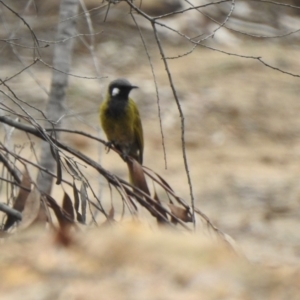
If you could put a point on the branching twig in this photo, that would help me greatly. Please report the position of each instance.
(182, 122)
(239, 31)
(23, 20)
(10, 169)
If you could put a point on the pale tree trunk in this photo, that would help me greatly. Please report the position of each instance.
(61, 61)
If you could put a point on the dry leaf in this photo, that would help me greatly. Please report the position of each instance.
(76, 203)
(20, 201)
(111, 213)
(84, 197)
(43, 215)
(63, 220)
(110, 218)
(68, 206)
(56, 156)
(31, 209)
(72, 169)
(181, 213)
(23, 192)
(160, 219)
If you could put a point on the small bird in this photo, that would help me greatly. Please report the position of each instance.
(120, 120)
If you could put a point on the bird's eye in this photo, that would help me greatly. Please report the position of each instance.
(115, 91)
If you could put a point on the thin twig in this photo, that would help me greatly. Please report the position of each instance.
(183, 146)
(276, 3)
(258, 58)
(69, 74)
(10, 169)
(222, 24)
(156, 90)
(15, 183)
(18, 73)
(189, 8)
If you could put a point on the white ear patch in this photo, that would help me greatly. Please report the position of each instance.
(115, 91)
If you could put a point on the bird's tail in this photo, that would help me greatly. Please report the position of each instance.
(137, 176)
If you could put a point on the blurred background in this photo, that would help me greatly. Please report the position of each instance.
(242, 125)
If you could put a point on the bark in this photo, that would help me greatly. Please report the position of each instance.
(61, 61)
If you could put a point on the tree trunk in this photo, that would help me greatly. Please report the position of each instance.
(61, 61)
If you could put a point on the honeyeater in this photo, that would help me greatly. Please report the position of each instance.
(120, 120)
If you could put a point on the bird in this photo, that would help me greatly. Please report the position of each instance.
(121, 122)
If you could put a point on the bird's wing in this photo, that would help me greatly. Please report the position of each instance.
(138, 133)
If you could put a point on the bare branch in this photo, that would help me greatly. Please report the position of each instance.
(11, 212)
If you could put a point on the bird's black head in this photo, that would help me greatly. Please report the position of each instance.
(120, 88)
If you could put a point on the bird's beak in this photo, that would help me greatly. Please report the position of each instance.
(134, 87)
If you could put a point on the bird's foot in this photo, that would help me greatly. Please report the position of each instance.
(108, 146)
